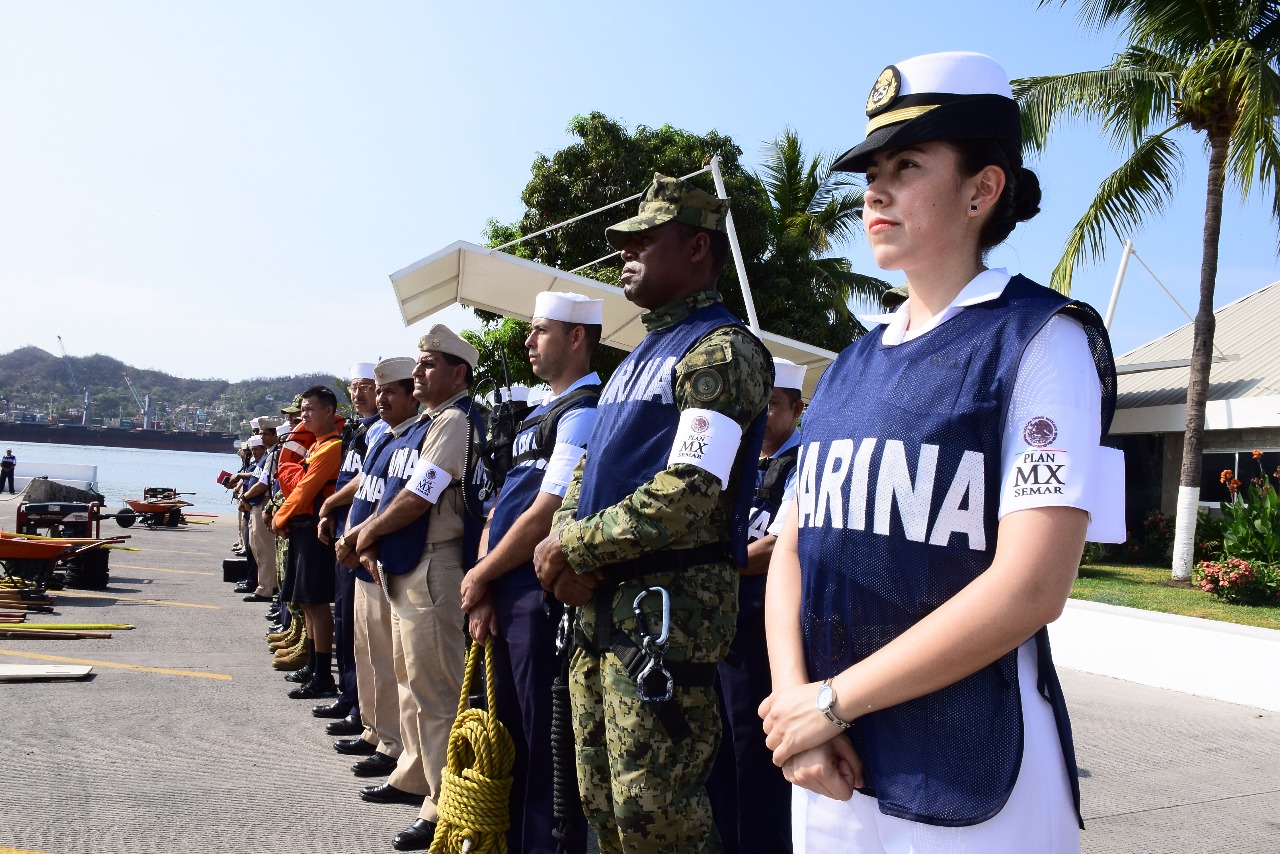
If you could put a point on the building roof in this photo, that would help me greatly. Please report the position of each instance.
(1245, 333)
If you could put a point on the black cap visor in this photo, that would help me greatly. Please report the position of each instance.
(971, 117)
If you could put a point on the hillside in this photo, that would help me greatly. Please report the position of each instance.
(29, 375)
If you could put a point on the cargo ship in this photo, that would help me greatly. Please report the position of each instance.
(116, 437)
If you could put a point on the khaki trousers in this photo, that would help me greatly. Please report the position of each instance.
(263, 544)
(376, 687)
(428, 646)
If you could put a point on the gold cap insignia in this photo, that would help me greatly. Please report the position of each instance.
(435, 343)
(886, 88)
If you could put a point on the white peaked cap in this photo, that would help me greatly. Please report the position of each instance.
(957, 72)
(360, 371)
(535, 396)
(394, 368)
(570, 308)
(516, 392)
(787, 374)
(256, 442)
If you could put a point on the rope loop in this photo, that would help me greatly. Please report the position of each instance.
(476, 782)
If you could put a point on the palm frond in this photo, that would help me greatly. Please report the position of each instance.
(1142, 186)
(1254, 153)
(1128, 100)
(1264, 34)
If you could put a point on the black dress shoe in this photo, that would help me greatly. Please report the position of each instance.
(275, 618)
(377, 765)
(254, 597)
(300, 676)
(314, 690)
(415, 837)
(350, 725)
(354, 747)
(244, 588)
(336, 709)
(389, 794)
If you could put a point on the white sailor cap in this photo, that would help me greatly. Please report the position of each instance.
(253, 424)
(568, 307)
(393, 369)
(360, 371)
(255, 442)
(787, 374)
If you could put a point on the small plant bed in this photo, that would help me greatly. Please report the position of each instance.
(1150, 588)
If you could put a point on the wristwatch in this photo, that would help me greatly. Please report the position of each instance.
(826, 703)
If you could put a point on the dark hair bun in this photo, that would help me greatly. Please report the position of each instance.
(1026, 195)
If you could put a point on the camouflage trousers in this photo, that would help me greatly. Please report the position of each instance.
(641, 791)
(282, 561)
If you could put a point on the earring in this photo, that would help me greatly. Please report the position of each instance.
(973, 208)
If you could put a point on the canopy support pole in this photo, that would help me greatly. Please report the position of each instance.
(1115, 291)
(752, 321)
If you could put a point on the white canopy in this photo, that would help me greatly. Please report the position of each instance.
(504, 284)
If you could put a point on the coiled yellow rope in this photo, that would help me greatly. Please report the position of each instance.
(476, 782)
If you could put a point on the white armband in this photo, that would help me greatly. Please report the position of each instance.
(428, 481)
(708, 440)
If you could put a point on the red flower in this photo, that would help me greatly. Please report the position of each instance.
(1227, 475)
(1257, 455)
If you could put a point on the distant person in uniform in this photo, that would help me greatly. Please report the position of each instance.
(8, 464)
(378, 739)
(360, 386)
(949, 471)
(253, 495)
(501, 593)
(309, 582)
(750, 796)
(661, 501)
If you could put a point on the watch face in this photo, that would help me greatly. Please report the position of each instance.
(824, 697)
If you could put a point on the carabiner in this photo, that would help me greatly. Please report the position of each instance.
(661, 638)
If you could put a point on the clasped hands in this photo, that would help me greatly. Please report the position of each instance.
(558, 578)
(806, 745)
(354, 550)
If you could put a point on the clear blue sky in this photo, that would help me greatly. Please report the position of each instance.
(164, 165)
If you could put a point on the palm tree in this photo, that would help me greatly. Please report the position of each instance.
(812, 211)
(1208, 66)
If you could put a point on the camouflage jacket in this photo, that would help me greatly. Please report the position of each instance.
(682, 506)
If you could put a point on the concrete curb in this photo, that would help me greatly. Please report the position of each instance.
(1238, 664)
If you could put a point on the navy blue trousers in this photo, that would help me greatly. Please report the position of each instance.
(251, 576)
(750, 798)
(525, 662)
(344, 635)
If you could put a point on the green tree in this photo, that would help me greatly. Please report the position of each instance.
(812, 211)
(1205, 66)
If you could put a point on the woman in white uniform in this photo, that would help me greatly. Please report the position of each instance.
(948, 473)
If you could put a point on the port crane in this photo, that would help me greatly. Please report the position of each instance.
(66, 360)
(144, 408)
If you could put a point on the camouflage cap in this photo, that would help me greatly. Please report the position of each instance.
(667, 199)
(293, 408)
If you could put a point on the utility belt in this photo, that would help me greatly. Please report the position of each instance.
(644, 662)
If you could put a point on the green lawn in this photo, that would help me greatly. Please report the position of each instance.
(1149, 588)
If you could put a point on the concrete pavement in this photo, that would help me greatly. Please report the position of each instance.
(215, 758)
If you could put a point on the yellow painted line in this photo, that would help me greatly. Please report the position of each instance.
(158, 569)
(5, 850)
(131, 599)
(140, 668)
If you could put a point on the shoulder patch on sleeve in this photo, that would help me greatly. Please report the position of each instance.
(706, 384)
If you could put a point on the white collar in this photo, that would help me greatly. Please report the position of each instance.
(984, 287)
(590, 379)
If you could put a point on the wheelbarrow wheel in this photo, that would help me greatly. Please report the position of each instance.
(125, 517)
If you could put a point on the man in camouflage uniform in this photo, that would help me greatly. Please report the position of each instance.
(661, 500)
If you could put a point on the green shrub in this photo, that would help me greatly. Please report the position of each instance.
(1240, 582)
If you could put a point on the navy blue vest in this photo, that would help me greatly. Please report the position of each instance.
(523, 481)
(897, 498)
(637, 420)
(373, 481)
(400, 550)
(354, 448)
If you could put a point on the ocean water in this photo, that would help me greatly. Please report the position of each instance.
(125, 472)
